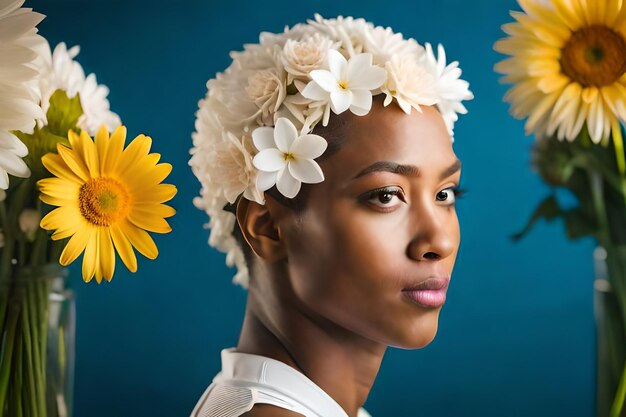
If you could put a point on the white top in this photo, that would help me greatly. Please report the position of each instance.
(247, 379)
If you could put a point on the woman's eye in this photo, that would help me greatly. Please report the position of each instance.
(384, 197)
(449, 195)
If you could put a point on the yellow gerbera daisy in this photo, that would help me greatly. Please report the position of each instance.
(108, 198)
(568, 64)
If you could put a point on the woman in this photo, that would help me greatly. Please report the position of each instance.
(346, 232)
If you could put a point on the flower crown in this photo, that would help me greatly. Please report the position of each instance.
(253, 128)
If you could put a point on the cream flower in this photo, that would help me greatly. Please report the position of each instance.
(29, 223)
(19, 92)
(61, 71)
(409, 83)
(234, 169)
(450, 88)
(348, 84)
(300, 57)
(267, 89)
(286, 159)
(237, 110)
(347, 30)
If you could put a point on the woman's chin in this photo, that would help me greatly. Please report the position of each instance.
(420, 335)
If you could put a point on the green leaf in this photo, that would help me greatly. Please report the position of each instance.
(578, 223)
(63, 113)
(548, 209)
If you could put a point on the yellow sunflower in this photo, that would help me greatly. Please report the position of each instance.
(568, 66)
(108, 197)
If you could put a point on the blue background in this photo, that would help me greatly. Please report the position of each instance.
(516, 336)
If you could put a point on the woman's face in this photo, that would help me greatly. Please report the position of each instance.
(356, 248)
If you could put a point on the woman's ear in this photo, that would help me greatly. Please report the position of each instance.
(259, 228)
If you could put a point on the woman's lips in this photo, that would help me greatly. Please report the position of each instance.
(429, 293)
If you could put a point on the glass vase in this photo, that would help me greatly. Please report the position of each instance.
(610, 274)
(38, 335)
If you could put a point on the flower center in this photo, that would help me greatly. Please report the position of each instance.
(103, 201)
(289, 157)
(594, 56)
(343, 85)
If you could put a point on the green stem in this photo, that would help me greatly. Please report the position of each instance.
(597, 193)
(35, 326)
(618, 404)
(5, 277)
(19, 377)
(7, 354)
(29, 363)
(618, 143)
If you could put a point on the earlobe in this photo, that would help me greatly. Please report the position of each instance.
(259, 228)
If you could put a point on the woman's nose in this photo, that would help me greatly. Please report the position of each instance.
(435, 233)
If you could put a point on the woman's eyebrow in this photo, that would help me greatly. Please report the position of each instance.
(408, 170)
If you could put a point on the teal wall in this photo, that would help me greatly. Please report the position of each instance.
(516, 336)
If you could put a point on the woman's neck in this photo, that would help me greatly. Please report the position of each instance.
(339, 361)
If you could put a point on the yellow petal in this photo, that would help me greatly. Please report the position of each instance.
(149, 222)
(75, 142)
(53, 201)
(64, 217)
(124, 248)
(140, 239)
(90, 259)
(107, 255)
(158, 194)
(141, 167)
(76, 245)
(161, 210)
(590, 95)
(566, 11)
(114, 153)
(90, 154)
(74, 162)
(148, 177)
(139, 147)
(61, 189)
(57, 167)
(102, 142)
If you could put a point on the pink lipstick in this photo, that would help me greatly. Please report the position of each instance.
(429, 293)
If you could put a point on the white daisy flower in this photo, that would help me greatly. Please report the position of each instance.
(285, 158)
(449, 85)
(19, 92)
(61, 71)
(348, 84)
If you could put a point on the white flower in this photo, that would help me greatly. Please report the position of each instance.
(409, 83)
(300, 57)
(96, 112)
(348, 84)
(450, 87)
(383, 44)
(286, 159)
(61, 71)
(19, 91)
(29, 222)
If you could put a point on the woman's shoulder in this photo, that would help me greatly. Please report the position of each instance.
(268, 410)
